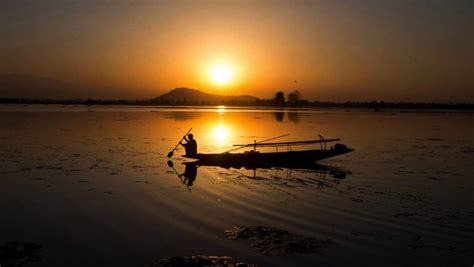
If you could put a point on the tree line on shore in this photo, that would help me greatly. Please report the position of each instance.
(293, 100)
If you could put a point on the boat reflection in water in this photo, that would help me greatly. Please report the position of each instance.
(304, 173)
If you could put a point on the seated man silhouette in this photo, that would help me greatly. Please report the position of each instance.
(190, 146)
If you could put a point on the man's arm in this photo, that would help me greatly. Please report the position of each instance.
(185, 139)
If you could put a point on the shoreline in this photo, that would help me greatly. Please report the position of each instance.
(301, 105)
(228, 108)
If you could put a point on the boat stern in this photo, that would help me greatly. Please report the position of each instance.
(342, 149)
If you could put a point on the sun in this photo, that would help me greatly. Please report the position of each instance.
(220, 133)
(222, 73)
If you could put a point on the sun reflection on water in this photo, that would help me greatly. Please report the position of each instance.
(220, 109)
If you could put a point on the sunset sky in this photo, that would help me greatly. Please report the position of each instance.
(334, 50)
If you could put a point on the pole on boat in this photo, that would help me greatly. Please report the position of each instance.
(321, 138)
(255, 143)
(170, 154)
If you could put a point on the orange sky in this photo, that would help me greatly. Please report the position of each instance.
(336, 50)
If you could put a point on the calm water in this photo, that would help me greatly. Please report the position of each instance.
(91, 185)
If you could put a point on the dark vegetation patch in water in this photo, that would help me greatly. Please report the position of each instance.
(16, 253)
(271, 241)
(200, 261)
(405, 214)
(37, 178)
(435, 139)
(468, 150)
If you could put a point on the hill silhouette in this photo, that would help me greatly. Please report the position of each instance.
(185, 95)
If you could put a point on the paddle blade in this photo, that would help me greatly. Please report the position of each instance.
(170, 164)
(170, 154)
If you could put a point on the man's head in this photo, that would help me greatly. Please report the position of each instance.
(190, 136)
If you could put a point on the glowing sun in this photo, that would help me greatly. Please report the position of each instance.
(221, 74)
(220, 133)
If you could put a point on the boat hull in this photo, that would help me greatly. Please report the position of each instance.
(270, 158)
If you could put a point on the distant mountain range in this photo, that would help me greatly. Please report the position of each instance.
(185, 95)
(27, 89)
(17, 86)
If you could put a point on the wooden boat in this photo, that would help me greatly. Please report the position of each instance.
(312, 167)
(257, 158)
(302, 165)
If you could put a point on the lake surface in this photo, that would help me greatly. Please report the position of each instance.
(92, 186)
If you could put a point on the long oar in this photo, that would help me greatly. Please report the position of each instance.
(170, 154)
(247, 145)
(171, 165)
